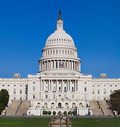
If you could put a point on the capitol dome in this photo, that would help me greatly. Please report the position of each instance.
(59, 52)
(59, 37)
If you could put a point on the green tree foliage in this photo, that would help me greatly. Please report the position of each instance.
(2, 107)
(4, 98)
(115, 101)
(75, 112)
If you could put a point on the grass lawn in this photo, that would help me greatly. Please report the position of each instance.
(42, 122)
(96, 122)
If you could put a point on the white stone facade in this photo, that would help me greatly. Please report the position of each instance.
(59, 85)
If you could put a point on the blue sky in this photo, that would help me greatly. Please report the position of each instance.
(93, 24)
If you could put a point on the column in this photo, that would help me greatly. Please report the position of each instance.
(40, 69)
(57, 64)
(76, 85)
(79, 66)
(62, 86)
(75, 68)
(71, 65)
(45, 65)
(48, 65)
(57, 85)
(67, 85)
(42, 66)
(50, 86)
(42, 85)
(51, 64)
(65, 64)
(54, 64)
(70, 86)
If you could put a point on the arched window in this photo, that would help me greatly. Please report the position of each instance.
(56, 52)
(62, 51)
(33, 96)
(68, 52)
(52, 105)
(66, 105)
(65, 52)
(59, 105)
(73, 105)
(45, 105)
(38, 104)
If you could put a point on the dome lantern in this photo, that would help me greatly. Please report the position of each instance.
(59, 21)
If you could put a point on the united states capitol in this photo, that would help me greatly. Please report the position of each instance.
(59, 85)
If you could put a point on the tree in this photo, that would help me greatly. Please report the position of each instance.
(75, 112)
(4, 98)
(115, 101)
(2, 107)
(54, 113)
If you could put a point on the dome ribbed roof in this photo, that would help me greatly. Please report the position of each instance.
(59, 37)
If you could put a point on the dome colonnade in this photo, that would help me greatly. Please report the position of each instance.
(60, 51)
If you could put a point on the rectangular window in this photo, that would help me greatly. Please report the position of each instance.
(73, 89)
(65, 89)
(98, 91)
(20, 91)
(46, 96)
(60, 90)
(33, 96)
(33, 88)
(14, 91)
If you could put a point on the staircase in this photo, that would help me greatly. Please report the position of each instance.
(17, 108)
(22, 110)
(105, 108)
(96, 109)
(12, 108)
